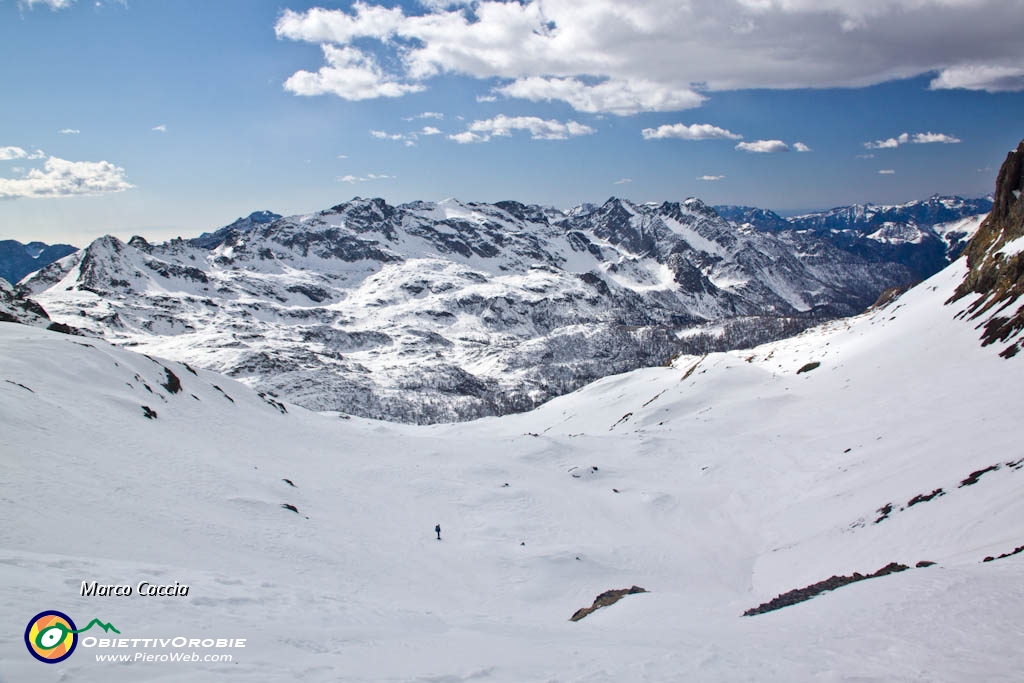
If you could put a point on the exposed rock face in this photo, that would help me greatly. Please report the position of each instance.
(995, 258)
(429, 312)
(606, 599)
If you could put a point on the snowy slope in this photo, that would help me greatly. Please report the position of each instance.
(429, 312)
(716, 484)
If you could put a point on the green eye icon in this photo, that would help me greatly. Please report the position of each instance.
(52, 636)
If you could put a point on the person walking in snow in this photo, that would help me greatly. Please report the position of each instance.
(437, 528)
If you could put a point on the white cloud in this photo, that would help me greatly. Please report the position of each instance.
(695, 131)
(366, 178)
(52, 4)
(63, 178)
(69, 131)
(865, 156)
(987, 77)
(349, 74)
(711, 177)
(343, 156)
(916, 138)
(656, 55)
(763, 146)
(503, 126)
(466, 137)
(886, 171)
(612, 96)
(8, 153)
(622, 181)
(927, 138)
(486, 98)
(430, 130)
(801, 147)
(162, 128)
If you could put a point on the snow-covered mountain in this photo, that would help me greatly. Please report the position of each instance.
(18, 260)
(923, 235)
(431, 312)
(716, 483)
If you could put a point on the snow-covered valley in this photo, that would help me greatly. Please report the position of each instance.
(715, 484)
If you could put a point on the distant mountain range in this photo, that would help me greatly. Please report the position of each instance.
(18, 260)
(429, 312)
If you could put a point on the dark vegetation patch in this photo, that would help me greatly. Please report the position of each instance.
(18, 384)
(270, 401)
(172, 383)
(1018, 549)
(189, 368)
(808, 367)
(799, 595)
(605, 599)
(149, 413)
(223, 392)
(975, 476)
(922, 498)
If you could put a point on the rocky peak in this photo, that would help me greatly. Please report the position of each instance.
(995, 258)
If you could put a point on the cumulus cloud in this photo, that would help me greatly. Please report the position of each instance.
(430, 130)
(801, 147)
(622, 181)
(486, 98)
(763, 146)
(69, 131)
(886, 171)
(711, 177)
(63, 178)
(162, 128)
(695, 131)
(928, 138)
(987, 77)
(9, 153)
(612, 96)
(606, 56)
(349, 74)
(503, 126)
(916, 138)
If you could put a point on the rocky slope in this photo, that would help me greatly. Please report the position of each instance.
(996, 260)
(430, 312)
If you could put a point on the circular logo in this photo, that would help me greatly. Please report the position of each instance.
(50, 636)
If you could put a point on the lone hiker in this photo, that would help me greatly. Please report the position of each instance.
(437, 528)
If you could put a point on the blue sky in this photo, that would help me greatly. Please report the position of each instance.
(172, 118)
